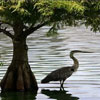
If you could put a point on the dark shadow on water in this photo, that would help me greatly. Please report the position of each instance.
(18, 96)
(59, 95)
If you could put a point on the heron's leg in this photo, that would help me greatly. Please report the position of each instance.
(61, 86)
(62, 83)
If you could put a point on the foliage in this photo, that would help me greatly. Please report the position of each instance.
(28, 12)
(92, 14)
(47, 7)
(18, 10)
(57, 13)
(1, 64)
(61, 12)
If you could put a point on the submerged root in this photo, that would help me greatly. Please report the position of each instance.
(19, 78)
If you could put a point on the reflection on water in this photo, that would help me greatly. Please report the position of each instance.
(59, 95)
(18, 96)
(52, 94)
(49, 53)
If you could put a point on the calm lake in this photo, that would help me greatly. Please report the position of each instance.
(49, 53)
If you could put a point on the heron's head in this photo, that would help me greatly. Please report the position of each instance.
(78, 51)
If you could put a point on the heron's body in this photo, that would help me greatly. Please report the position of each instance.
(59, 74)
(63, 73)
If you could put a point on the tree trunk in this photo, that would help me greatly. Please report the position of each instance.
(19, 76)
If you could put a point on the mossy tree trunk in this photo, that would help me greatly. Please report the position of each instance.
(19, 76)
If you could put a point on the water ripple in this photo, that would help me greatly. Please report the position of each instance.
(49, 53)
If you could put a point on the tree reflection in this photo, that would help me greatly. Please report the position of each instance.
(18, 96)
(59, 95)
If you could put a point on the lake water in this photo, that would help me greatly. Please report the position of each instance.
(49, 53)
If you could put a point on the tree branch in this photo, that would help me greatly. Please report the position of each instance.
(4, 22)
(32, 29)
(6, 33)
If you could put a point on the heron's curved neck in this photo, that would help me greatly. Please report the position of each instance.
(76, 63)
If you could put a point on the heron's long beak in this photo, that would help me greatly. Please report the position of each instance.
(79, 51)
(85, 51)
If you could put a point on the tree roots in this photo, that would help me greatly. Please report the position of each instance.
(19, 78)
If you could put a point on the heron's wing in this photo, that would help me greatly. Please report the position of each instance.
(65, 72)
(60, 74)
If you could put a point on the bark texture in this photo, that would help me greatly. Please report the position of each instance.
(19, 76)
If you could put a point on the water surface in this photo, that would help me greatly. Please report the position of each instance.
(49, 53)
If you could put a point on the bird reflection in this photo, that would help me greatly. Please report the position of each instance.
(59, 95)
(18, 96)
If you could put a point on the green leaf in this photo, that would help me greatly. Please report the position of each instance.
(1, 64)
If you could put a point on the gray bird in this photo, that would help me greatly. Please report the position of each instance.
(63, 73)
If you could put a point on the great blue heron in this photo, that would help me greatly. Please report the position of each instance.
(63, 73)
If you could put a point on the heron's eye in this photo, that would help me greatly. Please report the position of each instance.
(72, 70)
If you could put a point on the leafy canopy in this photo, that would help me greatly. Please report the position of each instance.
(37, 9)
(56, 13)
